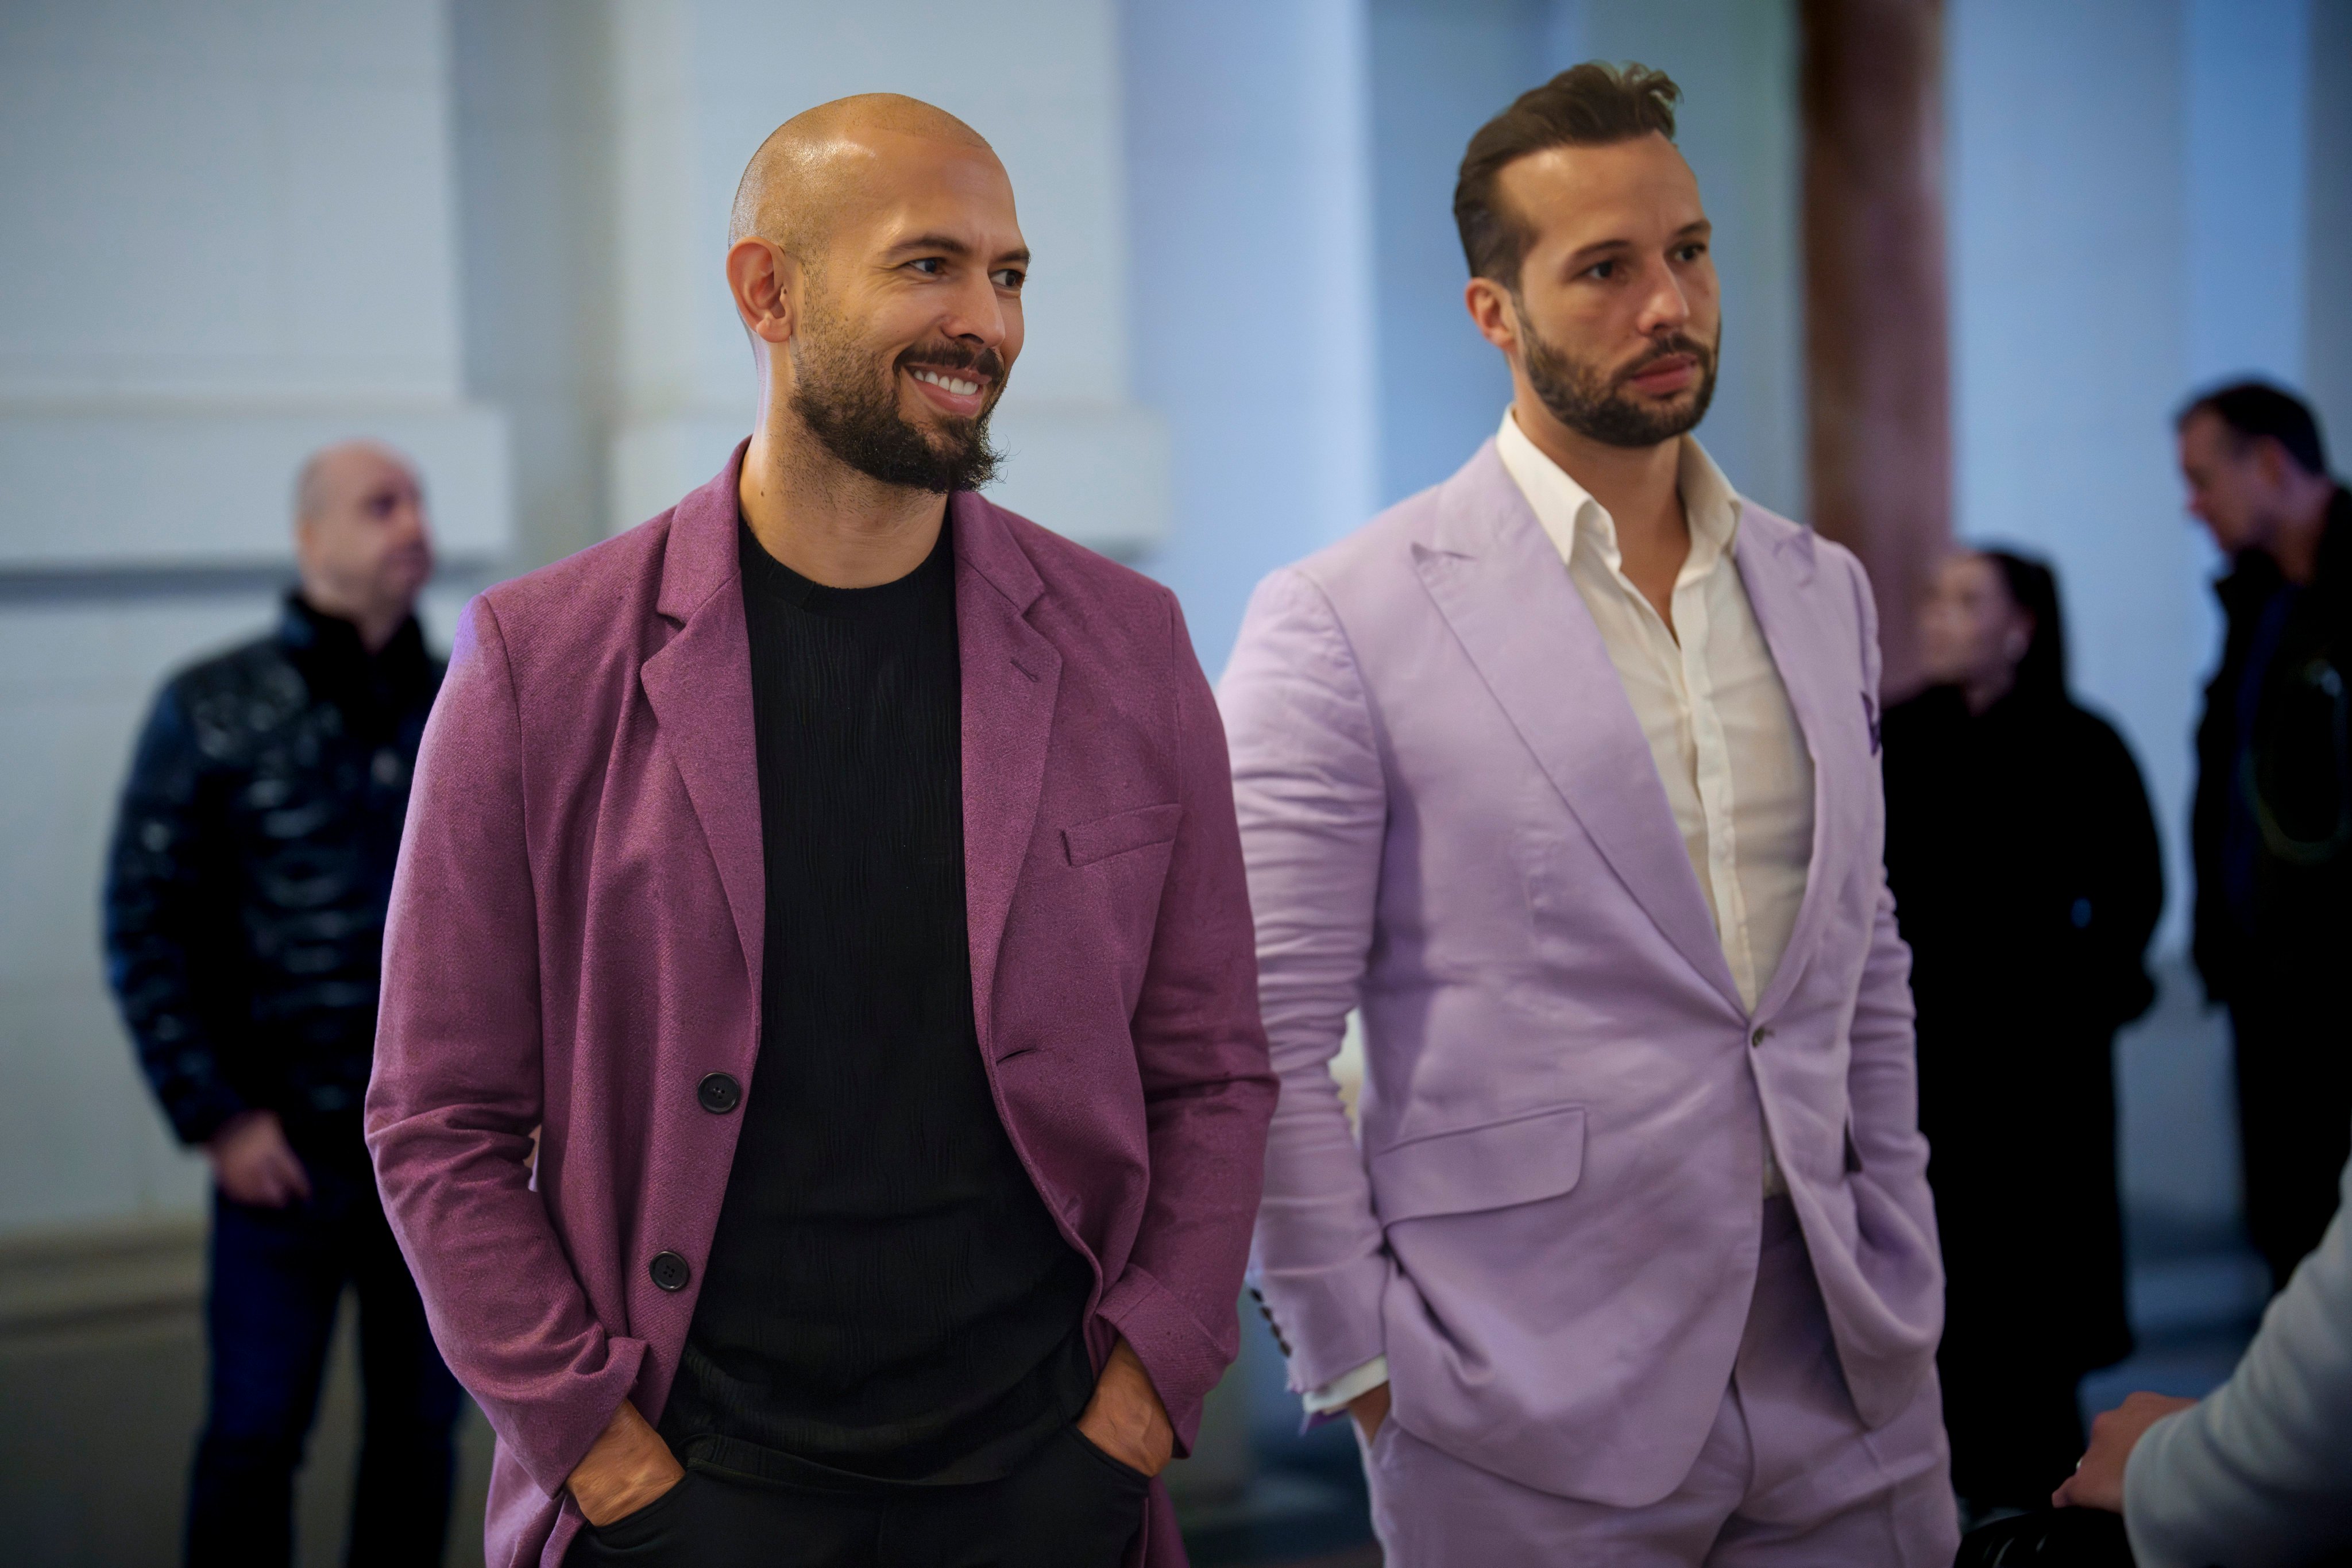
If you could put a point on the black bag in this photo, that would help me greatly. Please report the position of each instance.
(2050, 1538)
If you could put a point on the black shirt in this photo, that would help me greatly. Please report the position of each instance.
(887, 1294)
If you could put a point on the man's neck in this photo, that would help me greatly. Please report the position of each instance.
(1639, 487)
(2294, 544)
(827, 520)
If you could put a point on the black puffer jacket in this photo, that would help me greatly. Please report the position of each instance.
(2273, 826)
(251, 866)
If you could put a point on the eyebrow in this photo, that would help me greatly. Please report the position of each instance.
(1702, 227)
(951, 245)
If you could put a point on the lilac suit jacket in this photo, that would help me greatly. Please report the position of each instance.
(576, 941)
(1451, 816)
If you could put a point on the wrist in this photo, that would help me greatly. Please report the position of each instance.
(627, 1467)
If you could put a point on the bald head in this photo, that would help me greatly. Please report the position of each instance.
(361, 539)
(796, 188)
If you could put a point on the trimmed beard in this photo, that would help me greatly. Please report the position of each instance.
(853, 411)
(1591, 403)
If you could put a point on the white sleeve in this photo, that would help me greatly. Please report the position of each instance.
(1347, 1387)
(2261, 1471)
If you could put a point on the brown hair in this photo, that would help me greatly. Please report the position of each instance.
(1590, 105)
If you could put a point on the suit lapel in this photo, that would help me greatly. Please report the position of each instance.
(700, 687)
(1821, 691)
(1499, 584)
(1011, 677)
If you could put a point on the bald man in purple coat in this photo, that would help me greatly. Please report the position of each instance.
(842, 871)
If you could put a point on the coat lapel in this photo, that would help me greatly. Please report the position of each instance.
(1827, 698)
(1011, 677)
(700, 685)
(1499, 584)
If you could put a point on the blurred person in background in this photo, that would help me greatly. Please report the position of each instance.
(244, 905)
(844, 871)
(2027, 880)
(1566, 772)
(2272, 823)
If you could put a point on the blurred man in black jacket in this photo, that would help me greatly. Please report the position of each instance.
(245, 906)
(2273, 814)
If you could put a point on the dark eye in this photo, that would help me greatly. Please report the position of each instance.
(1602, 270)
(929, 266)
(1008, 277)
(1692, 251)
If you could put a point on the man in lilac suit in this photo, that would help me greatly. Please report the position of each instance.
(839, 876)
(1565, 773)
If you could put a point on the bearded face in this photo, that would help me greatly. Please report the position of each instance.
(1600, 403)
(845, 391)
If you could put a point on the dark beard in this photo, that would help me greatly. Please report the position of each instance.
(854, 412)
(1581, 398)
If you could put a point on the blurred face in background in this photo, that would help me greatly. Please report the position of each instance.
(2238, 489)
(1619, 314)
(361, 538)
(1971, 633)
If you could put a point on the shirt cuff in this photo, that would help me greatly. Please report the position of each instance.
(1347, 1387)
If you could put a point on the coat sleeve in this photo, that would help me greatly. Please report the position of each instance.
(165, 905)
(2260, 1469)
(1207, 1092)
(1310, 788)
(1883, 1073)
(457, 1089)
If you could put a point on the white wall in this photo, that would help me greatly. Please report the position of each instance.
(2327, 229)
(2128, 222)
(229, 240)
(1248, 130)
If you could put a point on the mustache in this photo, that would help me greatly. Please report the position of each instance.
(1666, 348)
(981, 362)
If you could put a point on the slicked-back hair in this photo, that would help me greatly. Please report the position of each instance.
(2253, 410)
(1590, 105)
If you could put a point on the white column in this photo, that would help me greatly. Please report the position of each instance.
(700, 83)
(228, 239)
(1249, 137)
(2246, 145)
(2327, 230)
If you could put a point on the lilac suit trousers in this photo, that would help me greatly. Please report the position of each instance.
(1789, 1472)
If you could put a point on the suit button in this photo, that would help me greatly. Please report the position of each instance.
(1758, 1038)
(670, 1271)
(720, 1094)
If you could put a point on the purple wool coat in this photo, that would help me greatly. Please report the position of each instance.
(1552, 1224)
(576, 941)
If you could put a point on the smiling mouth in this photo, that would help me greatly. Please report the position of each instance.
(945, 381)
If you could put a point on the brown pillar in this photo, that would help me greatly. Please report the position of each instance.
(1879, 442)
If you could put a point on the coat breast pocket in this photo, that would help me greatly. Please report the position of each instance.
(1121, 833)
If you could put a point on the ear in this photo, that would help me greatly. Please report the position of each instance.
(2271, 461)
(761, 276)
(1491, 307)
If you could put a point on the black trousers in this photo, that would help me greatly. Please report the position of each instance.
(277, 1276)
(2293, 1059)
(1069, 1505)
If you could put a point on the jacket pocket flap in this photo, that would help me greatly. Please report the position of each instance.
(1120, 832)
(1540, 1155)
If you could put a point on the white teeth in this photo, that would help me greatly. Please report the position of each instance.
(954, 383)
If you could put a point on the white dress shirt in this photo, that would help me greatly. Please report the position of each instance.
(1710, 702)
